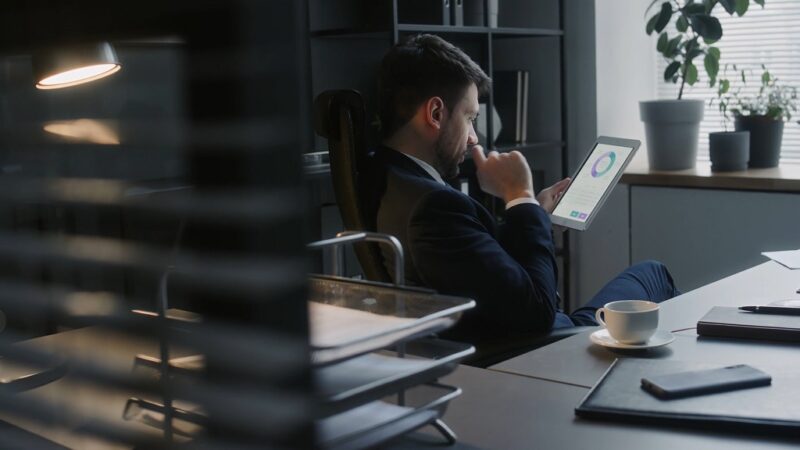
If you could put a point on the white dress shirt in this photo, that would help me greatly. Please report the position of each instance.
(438, 178)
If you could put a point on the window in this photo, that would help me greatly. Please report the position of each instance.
(762, 36)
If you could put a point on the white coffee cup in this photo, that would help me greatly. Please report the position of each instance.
(629, 321)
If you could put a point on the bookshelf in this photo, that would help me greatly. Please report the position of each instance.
(348, 38)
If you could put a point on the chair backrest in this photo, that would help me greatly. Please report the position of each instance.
(339, 118)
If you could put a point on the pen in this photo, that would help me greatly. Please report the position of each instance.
(772, 310)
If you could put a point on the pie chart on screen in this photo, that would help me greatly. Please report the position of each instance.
(603, 164)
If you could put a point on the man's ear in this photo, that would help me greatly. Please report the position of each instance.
(434, 112)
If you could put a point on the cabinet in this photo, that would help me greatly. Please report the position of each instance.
(348, 38)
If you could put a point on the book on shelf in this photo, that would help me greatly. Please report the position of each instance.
(457, 12)
(474, 13)
(427, 12)
(511, 101)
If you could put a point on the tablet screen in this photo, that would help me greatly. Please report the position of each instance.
(599, 172)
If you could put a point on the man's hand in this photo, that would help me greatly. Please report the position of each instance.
(549, 197)
(504, 175)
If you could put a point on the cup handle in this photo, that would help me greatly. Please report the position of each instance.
(598, 318)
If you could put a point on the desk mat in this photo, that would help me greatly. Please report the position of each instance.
(619, 396)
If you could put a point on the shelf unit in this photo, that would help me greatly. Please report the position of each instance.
(348, 38)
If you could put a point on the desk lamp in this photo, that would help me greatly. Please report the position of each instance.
(70, 66)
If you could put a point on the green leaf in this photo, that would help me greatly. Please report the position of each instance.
(694, 53)
(765, 77)
(671, 70)
(662, 42)
(706, 26)
(663, 17)
(760, 2)
(709, 4)
(691, 74)
(729, 5)
(712, 66)
(672, 47)
(724, 86)
(682, 24)
(651, 24)
(741, 7)
(713, 51)
(744, 79)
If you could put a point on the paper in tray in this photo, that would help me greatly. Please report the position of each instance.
(348, 317)
(372, 376)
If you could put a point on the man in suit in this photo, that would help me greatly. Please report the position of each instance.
(428, 102)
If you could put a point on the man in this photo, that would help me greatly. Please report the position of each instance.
(428, 102)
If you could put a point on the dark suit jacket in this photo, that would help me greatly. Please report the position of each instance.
(453, 245)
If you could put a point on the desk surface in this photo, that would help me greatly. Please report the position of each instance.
(577, 361)
(86, 402)
(506, 411)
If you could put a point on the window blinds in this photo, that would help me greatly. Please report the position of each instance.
(162, 274)
(762, 36)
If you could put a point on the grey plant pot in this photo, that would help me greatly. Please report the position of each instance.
(672, 128)
(766, 135)
(729, 150)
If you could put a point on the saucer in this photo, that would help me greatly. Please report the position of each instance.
(659, 339)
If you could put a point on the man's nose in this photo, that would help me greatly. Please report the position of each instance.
(473, 138)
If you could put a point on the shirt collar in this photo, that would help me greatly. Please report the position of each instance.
(427, 168)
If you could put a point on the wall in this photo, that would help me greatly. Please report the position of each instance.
(625, 70)
(715, 234)
(626, 67)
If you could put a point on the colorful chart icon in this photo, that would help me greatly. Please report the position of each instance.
(574, 214)
(603, 164)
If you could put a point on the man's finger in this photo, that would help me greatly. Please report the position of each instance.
(478, 156)
(562, 185)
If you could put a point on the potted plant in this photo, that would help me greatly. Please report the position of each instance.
(729, 150)
(762, 115)
(672, 127)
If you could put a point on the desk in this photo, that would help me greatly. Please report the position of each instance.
(575, 360)
(117, 352)
(508, 412)
(528, 402)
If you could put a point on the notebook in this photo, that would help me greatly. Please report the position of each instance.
(619, 396)
(730, 322)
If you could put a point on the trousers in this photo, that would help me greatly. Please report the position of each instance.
(647, 280)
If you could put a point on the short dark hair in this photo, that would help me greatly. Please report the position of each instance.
(421, 67)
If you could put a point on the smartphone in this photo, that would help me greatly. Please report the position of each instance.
(700, 382)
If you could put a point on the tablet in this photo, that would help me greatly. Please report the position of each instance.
(593, 182)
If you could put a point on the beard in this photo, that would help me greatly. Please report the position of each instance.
(448, 157)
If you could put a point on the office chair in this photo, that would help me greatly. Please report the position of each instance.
(339, 118)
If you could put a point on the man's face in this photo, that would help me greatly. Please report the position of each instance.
(457, 134)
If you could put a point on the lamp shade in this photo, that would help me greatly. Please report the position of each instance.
(69, 66)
